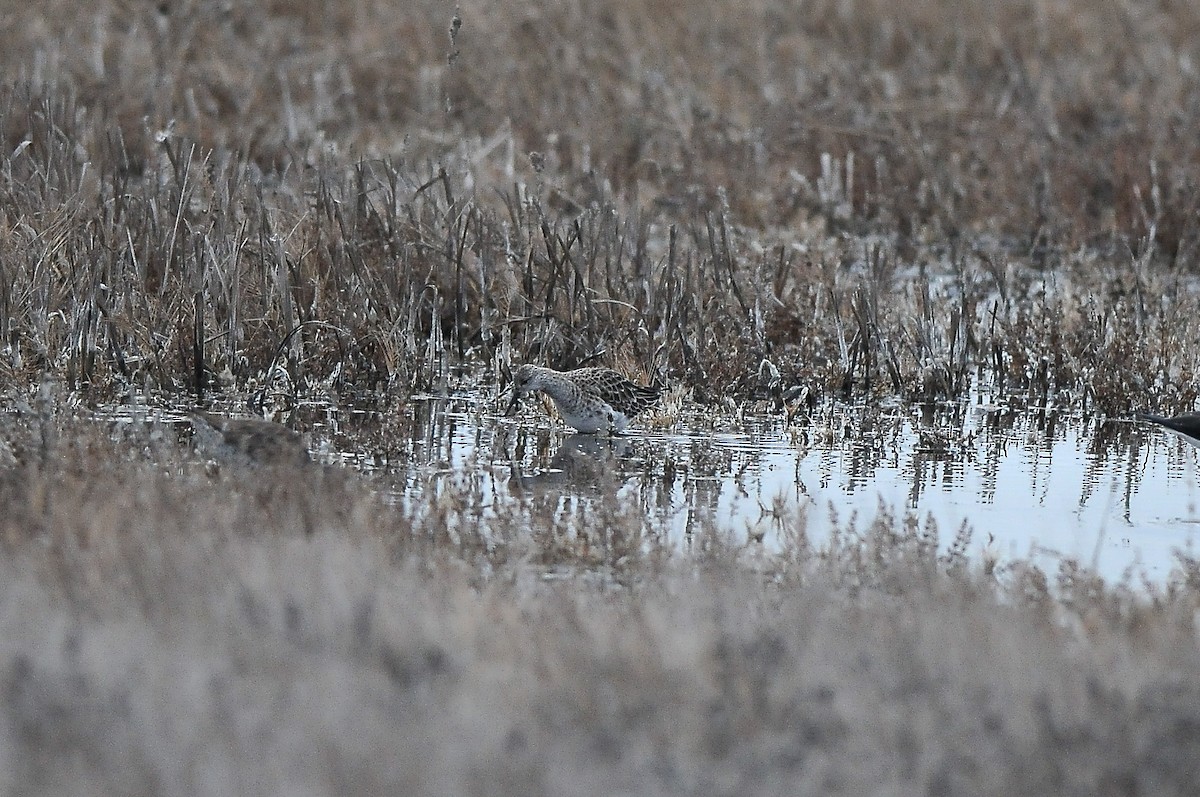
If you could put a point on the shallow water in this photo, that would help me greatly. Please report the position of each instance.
(1115, 496)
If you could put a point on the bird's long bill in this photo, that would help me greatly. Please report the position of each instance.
(512, 404)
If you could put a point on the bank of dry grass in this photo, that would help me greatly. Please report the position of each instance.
(171, 631)
(857, 198)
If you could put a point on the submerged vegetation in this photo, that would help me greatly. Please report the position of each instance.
(342, 205)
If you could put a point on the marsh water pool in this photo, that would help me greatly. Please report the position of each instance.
(1115, 496)
(1118, 497)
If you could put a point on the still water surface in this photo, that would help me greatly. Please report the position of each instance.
(1116, 496)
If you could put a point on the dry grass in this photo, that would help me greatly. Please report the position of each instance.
(861, 198)
(857, 198)
(171, 632)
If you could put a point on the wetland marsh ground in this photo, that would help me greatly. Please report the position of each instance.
(906, 269)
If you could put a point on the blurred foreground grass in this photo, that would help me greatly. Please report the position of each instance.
(169, 630)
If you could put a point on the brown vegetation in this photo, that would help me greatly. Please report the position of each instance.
(837, 198)
(872, 197)
(171, 632)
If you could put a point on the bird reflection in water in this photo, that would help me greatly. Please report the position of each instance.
(582, 461)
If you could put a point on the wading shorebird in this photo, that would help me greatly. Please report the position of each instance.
(589, 399)
(1186, 426)
(249, 442)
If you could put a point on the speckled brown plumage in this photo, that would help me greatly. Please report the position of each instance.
(249, 441)
(589, 399)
